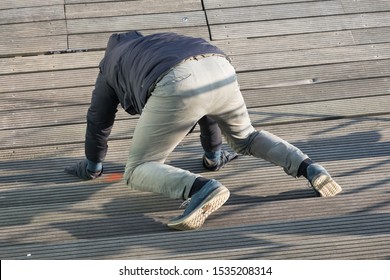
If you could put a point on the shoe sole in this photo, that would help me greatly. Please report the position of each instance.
(326, 186)
(197, 217)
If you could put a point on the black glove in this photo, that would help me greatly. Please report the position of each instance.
(224, 159)
(80, 170)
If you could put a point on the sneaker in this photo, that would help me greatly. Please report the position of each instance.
(223, 160)
(212, 196)
(321, 181)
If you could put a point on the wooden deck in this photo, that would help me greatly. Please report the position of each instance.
(316, 73)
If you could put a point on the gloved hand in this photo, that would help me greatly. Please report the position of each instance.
(223, 160)
(80, 170)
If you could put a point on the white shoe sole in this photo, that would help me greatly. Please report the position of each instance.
(198, 216)
(326, 186)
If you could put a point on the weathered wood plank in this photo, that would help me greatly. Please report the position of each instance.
(48, 80)
(105, 9)
(300, 25)
(99, 40)
(53, 62)
(33, 14)
(315, 92)
(270, 239)
(33, 29)
(320, 111)
(137, 22)
(10, 47)
(216, 4)
(304, 41)
(89, 1)
(336, 247)
(351, 6)
(45, 98)
(274, 12)
(263, 61)
(372, 35)
(10, 4)
(61, 134)
(314, 74)
(287, 43)
(346, 250)
(47, 117)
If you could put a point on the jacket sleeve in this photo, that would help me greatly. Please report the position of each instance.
(100, 119)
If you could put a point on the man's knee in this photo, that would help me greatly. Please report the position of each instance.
(129, 170)
(243, 146)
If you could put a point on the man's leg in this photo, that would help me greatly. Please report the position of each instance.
(179, 100)
(211, 139)
(210, 135)
(160, 128)
(233, 118)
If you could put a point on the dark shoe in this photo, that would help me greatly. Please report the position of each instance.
(80, 170)
(321, 181)
(223, 160)
(212, 196)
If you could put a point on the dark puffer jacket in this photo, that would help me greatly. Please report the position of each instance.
(131, 67)
(133, 63)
